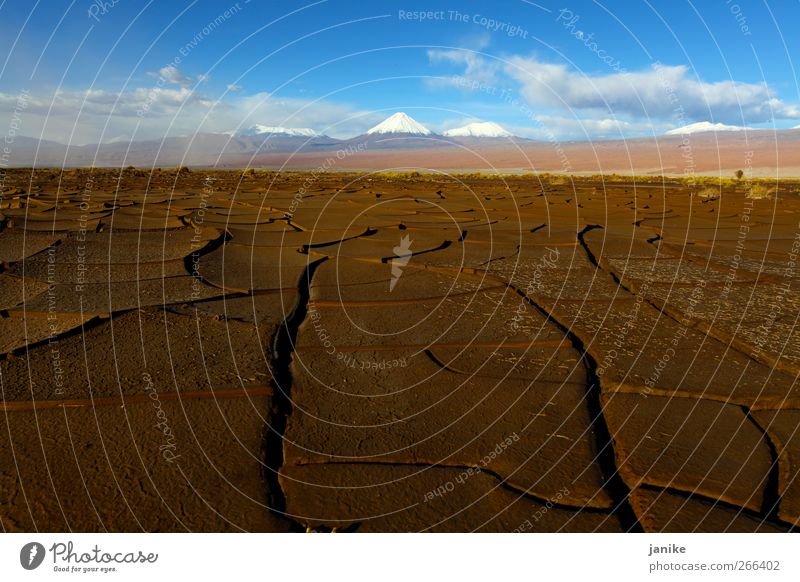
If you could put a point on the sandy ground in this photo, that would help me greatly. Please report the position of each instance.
(218, 351)
(757, 153)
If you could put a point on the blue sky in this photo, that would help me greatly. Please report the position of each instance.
(98, 71)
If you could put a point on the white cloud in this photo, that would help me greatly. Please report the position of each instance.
(334, 119)
(82, 117)
(659, 92)
(98, 102)
(172, 75)
(478, 70)
(574, 128)
(233, 87)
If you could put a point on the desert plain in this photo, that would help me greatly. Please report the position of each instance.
(191, 350)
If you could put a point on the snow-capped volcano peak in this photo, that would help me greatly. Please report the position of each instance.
(479, 129)
(400, 123)
(268, 129)
(703, 126)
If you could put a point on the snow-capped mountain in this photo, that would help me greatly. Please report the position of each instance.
(479, 129)
(703, 126)
(400, 123)
(258, 129)
(124, 138)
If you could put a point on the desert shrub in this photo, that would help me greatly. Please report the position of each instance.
(709, 181)
(559, 180)
(709, 193)
(759, 192)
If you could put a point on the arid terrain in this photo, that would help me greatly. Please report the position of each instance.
(261, 351)
(760, 153)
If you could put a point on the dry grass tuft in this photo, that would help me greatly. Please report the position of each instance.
(759, 192)
(709, 193)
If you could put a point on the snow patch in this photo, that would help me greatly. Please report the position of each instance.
(703, 126)
(400, 123)
(268, 129)
(479, 129)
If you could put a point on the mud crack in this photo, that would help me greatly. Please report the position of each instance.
(283, 346)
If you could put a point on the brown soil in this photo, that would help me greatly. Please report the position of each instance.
(218, 351)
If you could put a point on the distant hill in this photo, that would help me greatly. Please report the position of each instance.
(764, 152)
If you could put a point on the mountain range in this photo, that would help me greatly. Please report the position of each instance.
(402, 142)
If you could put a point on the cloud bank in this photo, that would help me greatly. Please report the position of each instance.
(658, 96)
(175, 104)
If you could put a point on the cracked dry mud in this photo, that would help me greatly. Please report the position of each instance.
(218, 351)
